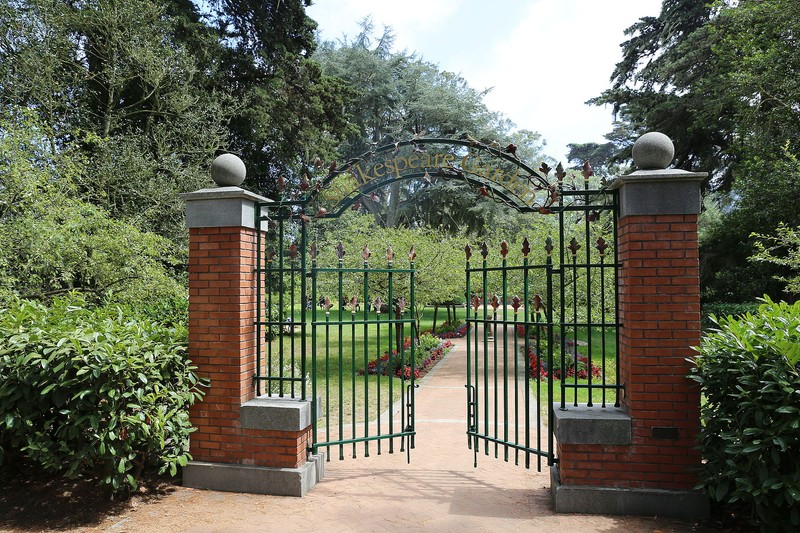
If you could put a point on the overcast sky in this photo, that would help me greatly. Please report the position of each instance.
(542, 58)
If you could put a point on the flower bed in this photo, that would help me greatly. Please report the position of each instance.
(449, 331)
(540, 371)
(424, 360)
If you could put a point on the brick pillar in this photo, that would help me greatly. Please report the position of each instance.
(241, 443)
(641, 458)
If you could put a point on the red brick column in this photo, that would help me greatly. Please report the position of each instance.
(641, 458)
(660, 312)
(241, 443)
(222, 313)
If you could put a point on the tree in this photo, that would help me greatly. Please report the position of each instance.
(721, 80)
(400, 97)
(51, 242)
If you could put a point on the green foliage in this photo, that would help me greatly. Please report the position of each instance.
(724, 309)
(89, 390)
(782, 248)
(52, 242)
(720, 79)
(429, 342)
(749, 371)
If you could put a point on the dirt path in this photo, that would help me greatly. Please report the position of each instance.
(439, 491)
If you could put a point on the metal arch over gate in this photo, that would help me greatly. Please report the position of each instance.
(301, 290)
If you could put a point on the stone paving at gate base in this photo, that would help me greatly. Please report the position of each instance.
(439, 491)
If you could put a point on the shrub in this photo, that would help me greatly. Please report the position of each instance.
(428, 341)
(749, 371)
(89, 390)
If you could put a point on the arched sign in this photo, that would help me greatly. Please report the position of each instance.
(491, 170)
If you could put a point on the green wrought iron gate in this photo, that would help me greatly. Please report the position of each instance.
(336, 333)
(332, 325)
(543, 332)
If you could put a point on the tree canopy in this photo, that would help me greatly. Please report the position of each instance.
(721, 79)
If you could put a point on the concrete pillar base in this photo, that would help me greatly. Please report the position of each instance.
(587, 499)
(255, 479)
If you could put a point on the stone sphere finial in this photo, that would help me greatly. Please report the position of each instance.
(227, 170)
(653, 151)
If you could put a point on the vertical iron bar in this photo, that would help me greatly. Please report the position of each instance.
(379, 371)
(414, 335)
(526, 309)
(504, 302)
(353, 375)
(365, 312)
(485, 353)
(575, 324)
(340, 296)
(282, 274)
(603, 326)
(259, 311)
(304, 310)
(315, 407)
(392, 356)
(468, 299)
(588, 246)
(549, 316)
(292, 303)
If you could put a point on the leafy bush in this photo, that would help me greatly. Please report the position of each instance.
(749, 371)
(89, 390)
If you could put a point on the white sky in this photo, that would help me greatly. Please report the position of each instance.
(543, 58)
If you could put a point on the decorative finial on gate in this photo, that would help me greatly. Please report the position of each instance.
(516, 303)
(548, 246)
(366, 253)
(377, 304)
(537, 303)
(560, 173)
(495, 303)
(574, 246)
(412, 254)
(313, 251)
(468, 251)
(476, 302)
(340, 251)
(526, 248)
(601, 246)
(503, 249)
(390, 254)
(484, 250)
(587, 171)
(293, 252)
(270, 254)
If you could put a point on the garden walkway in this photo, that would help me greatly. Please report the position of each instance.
(439, 491)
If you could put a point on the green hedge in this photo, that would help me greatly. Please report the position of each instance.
(749, 371)
(93, 390)
(725, 309)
